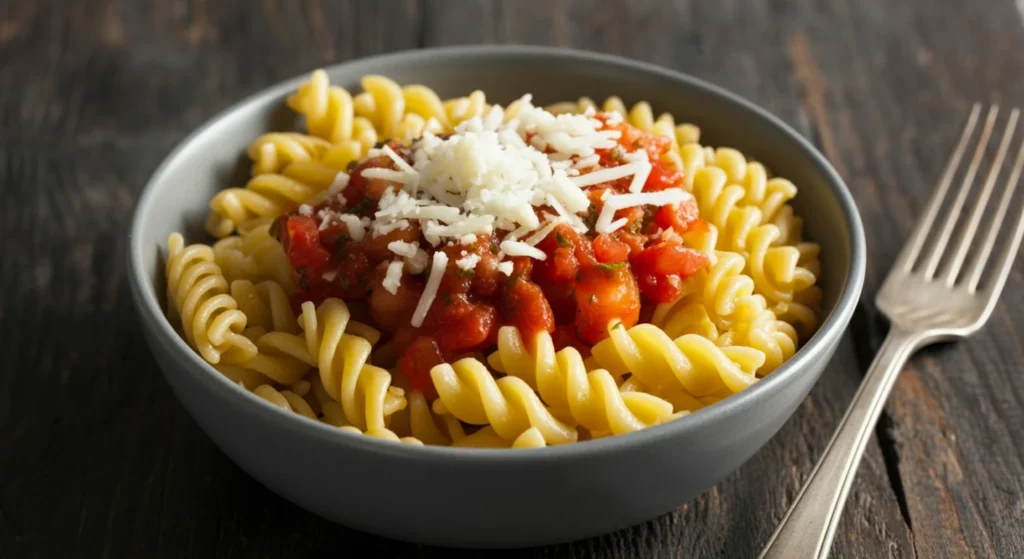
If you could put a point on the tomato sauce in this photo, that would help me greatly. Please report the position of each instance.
(585, 282)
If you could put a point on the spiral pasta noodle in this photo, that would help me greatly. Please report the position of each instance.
(197, 294)
(254, 256)
(264, 196)
(591, 399)
(693, 362)
(467, 390)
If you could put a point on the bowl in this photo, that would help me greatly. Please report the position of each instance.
(495, 498)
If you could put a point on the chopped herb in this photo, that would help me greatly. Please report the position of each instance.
(341, 248)
(351, 165)
(611, 266)
(362, 206)
(465, 273)
(591, 218)
(616, 153)
(617, 326)
(494, 246)
(513, 278)
(561, 240)
(473, 247)
(636, 226)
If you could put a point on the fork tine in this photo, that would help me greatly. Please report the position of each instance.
(981, 203)
(912, 248)
(961, 196)
(1010, 249)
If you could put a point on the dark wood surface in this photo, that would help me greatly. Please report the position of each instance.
(97, 459)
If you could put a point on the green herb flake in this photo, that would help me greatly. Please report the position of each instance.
(465, 273)
(591, 218)
(561, 240)
(494, 247)
(304, 279)
(636, 226)
(362, 206)
(611, 266)
(617, 326)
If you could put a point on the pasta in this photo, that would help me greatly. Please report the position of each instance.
(198, 295)
(436, 271)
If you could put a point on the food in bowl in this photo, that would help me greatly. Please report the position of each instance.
(460, 273)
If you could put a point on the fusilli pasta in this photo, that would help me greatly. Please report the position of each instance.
(737, 318)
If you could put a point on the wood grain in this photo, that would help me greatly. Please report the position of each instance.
(97, 457)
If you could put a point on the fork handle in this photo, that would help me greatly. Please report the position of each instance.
(810, 524)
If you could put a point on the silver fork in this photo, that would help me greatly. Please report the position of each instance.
(927, 298)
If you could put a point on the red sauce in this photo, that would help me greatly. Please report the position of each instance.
(585, 282)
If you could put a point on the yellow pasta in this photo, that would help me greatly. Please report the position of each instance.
(271, 153)
(197, 294)
(467, 390)
(735, 320)
(591, 399)
(690, 361)
(265, 196)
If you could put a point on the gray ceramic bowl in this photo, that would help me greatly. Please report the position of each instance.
(494, 498)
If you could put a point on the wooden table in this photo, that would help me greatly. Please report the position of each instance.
(97, 458)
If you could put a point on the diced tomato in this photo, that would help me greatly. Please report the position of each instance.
(565, 336)
(661, 268)
(354, 272)
(360, 187)
(678, 217)
(459, 324)
(392, 310)
(605, 293)
(662, 177)
(422, 355)
(607, 249)
(301, 241)
(525, 306)
(634, 241)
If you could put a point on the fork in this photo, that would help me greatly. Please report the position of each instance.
(928, 296)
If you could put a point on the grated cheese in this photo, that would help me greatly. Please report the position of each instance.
(430, 291)
(506, 268)
(356, 227)
(605, 225)
(519, 248)
(468, 262)
(404, 249)
(306, 210)
(393, 277)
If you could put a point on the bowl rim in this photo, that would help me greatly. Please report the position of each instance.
(829, 332)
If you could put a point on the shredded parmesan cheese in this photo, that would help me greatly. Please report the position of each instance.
(468, 262)
(393, 277)
(430, 291)
(518, 248)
